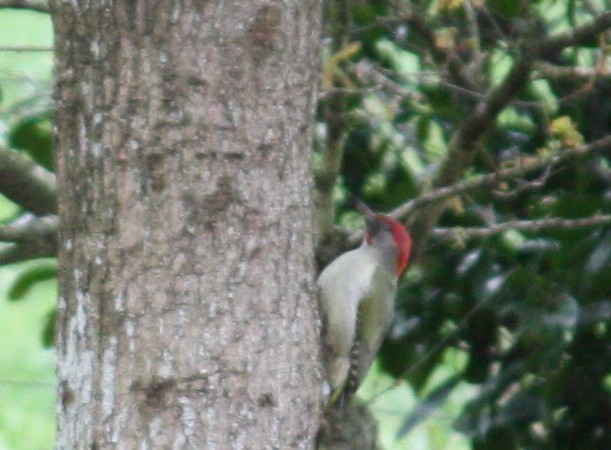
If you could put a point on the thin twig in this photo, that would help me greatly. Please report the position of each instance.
(467, 137)
(27, 383)
(465, 141)
(35, 104)
(370, 73)
(403, 211)
(473, 30)
(8, 48)
(524, 186)
(523, 225)
(492, 178)
(349, 91)
(441, 55)
(31, 5)
(500, 35)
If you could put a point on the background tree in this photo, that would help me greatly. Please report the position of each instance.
(485, 126)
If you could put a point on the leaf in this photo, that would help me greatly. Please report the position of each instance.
(28, 278)
(522, 408)
(564, 315)
(446, 38)
(566, 130)
(428, 405)
(478, 365)
(595, 312)
(332, 72)
(476, 417)
(449, 5)
(33, 134)
(600, 256)
(48, 332)
(513, 240)
(367, 13)
(500, 438)
(504, 8)
(468, 262)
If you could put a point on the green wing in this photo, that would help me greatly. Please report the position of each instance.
(373, 321)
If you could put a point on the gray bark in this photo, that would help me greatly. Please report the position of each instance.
(187, 315)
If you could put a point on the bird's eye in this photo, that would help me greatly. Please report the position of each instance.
(375, 226)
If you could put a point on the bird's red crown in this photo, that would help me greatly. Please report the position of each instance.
(402, 239)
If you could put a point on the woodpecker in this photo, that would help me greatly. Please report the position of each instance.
(357, 296)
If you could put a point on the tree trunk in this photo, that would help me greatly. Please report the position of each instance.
(187, 316)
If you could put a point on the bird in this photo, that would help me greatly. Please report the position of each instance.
(357, 296)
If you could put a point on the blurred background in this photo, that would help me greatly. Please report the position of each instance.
(28, 290)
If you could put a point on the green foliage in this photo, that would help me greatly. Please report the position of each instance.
(48, 332)
(27, 381)
(428, 405)
(22, 287)
(30, 277)
(32, 134)
(531, 309)
(27, 384)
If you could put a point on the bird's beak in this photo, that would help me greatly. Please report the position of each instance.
(368, 215)
(363, 208)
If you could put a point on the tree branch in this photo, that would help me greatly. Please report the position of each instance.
(490, 179)
(32, 238)
(576, 36)
(27, 250)
(440, 54)
(27, 383)
(32, 5)
(464, 142)
(465, 139)
(371, 74)
(26, 183)
(442, 193)
(326, 175)
(33, 230)
(473, 28)
(522, 225)
(25, 49)
(572, 73)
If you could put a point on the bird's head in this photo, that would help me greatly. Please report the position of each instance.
(386, 233)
